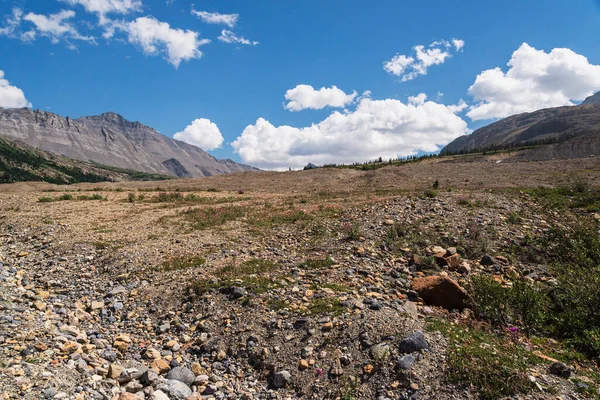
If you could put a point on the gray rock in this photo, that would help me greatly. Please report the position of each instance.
(281, 379)
(182, 374)
(560, 369)
(405, 362)
(237, 293)
(414, 342)
(175, 389)
(49, 393)
(487, 261)
(149, 378)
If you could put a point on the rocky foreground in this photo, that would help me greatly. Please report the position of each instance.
(258, 296)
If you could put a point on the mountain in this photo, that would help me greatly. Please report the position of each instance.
(110, 139)
(565, 132)
(595, 99)
(20, 162)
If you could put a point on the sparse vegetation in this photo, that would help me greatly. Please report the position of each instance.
(182, 262)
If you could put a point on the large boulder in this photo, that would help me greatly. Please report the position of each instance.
(440, 291)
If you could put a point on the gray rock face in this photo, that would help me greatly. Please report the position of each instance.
(110, 139)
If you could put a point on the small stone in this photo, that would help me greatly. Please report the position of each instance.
(114, 371)
(152, 354)
(39, 305)
(197, 369)
(175, 389)
(281, 379)
(182, 374)
(405, 362)
(97, 305)
(159, 395)
(327, 326)
(487, 261)
(560, 369)
(237, 293)
(302, 365)
(414, 342)
(160, 366)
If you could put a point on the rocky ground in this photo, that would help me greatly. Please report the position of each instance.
(255, 294)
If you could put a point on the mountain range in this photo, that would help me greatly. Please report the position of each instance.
(560, 132)
(109, 139)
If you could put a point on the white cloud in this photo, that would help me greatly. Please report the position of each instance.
(376, 128)
(458, 44)
(534, 80)
(216, 18)
(155, 37)
(104, 7)
(228, 36)
(11, 96)
(56, 26)
(305, 96)
(410, 67)
(202, 133)
(12, 22)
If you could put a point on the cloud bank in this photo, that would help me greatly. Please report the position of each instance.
(534, 80)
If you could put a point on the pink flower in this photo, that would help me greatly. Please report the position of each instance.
(513, 329)
(319, 371)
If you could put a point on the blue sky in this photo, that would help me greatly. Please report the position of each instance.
(118, 60)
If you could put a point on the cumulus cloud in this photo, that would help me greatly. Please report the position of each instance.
(216, 18)
(104, 7)
(534, 80)
(11, 96)
(376, 128)
(305, 96)
(410, 67)
(228, 36)
(202, 133)
(155, 37)
(56, 26)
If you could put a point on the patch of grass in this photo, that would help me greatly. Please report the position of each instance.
(182, 262)
(333, 286)
(324, 305)
(94, 196)
(495, 366)
(204, 218)
(514, 218)
(322, 263)
(351, 231)
(45, 199)
(430, 193)
(246, 274)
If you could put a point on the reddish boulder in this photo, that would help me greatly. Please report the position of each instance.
(440, 291)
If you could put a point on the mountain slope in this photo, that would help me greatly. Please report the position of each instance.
(20, 162)
(568, 129)
(110, 139)
(595, 99)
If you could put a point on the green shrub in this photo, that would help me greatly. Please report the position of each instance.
(45, 199)
(489, 299)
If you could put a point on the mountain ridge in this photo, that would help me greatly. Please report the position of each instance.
(567, 129)
(110, 139)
